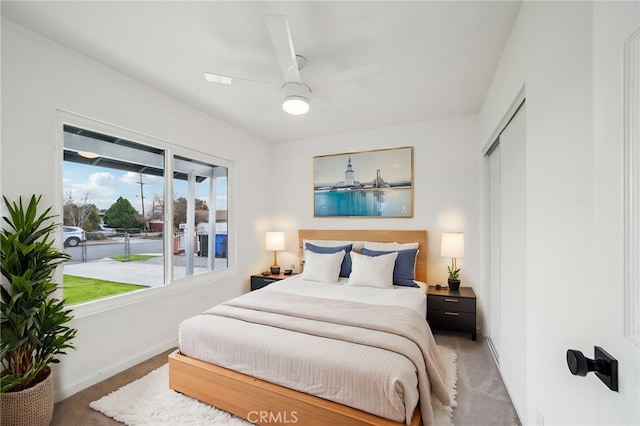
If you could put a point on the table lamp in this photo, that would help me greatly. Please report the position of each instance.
(453, 247)
(275, 242)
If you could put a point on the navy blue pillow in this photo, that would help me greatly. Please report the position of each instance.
(345, 269)
(404, 269)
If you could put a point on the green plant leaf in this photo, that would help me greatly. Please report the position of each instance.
(32, 323)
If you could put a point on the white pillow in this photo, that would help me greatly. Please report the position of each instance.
(322, 267)
(372, 271)
(390, 246)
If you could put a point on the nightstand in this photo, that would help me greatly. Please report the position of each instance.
(452, 310)
(259, 280)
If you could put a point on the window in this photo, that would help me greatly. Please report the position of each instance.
(199, 217)
(119, 229)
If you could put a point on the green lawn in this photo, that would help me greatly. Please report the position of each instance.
(133, 257)
(80, 289)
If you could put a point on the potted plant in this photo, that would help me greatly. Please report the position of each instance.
(32, 323)
(454, 278)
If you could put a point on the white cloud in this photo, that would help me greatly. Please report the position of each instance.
(101, 179)
(99, 189)
(130, 178)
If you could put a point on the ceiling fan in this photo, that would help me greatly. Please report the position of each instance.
(296, 95)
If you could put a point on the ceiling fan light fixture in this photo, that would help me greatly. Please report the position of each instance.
(295, 105)
(295, 98)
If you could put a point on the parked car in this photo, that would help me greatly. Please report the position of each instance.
(107, 230)
(73, 235)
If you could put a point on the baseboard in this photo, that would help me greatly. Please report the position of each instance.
(67, 391)
(492, 349)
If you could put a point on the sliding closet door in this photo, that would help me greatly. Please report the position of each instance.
(506, 257)
(513, 307)
(494, 310)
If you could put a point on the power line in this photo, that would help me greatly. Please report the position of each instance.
(142, 194)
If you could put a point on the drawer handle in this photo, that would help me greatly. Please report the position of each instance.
(270, 281)
(455, 314)
(451, 300)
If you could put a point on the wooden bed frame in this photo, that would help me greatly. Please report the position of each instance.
(265, 403)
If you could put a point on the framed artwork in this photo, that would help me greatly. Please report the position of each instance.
(375, 183)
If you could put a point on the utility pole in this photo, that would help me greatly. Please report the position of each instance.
(142, 199)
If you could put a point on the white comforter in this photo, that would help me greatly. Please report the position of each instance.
(409, 297)
(311, 359)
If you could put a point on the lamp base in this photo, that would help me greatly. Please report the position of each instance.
(275, 270)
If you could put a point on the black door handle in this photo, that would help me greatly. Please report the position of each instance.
(604, 365)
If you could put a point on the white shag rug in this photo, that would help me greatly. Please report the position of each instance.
(149, 402)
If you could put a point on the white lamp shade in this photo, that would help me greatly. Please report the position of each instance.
(274, 241)
(452, 245)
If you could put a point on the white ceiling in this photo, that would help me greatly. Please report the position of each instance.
(438, 58)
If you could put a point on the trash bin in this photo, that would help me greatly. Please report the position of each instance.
(203, 241)
(221, 245)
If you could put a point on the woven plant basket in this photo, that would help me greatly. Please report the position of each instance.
(29, 407)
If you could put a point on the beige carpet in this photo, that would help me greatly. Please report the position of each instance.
(482, 397)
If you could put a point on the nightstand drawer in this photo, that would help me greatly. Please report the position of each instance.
(259, 282)
(451, 303)
(450, 320)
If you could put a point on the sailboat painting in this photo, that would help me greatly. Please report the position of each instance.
(376, 183)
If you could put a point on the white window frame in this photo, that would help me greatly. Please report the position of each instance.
(92, 307)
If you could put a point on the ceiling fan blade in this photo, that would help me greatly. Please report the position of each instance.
(228, 80)
(276, 112)
(283, 44)
(217, 78)
(348, 75)
(326, 107)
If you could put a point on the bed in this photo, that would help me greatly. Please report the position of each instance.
(310, 352)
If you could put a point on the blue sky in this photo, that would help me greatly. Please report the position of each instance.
(102, 187)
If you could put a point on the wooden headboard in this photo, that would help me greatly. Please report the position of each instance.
(374, 235)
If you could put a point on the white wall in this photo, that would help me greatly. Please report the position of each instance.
(446, 187)
(38, 77)
(550, 53)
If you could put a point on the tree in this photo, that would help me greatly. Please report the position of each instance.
(157, 209)
(122, 214)
(82, 214)
(180, 209)
(201, 204)
(92, 220)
